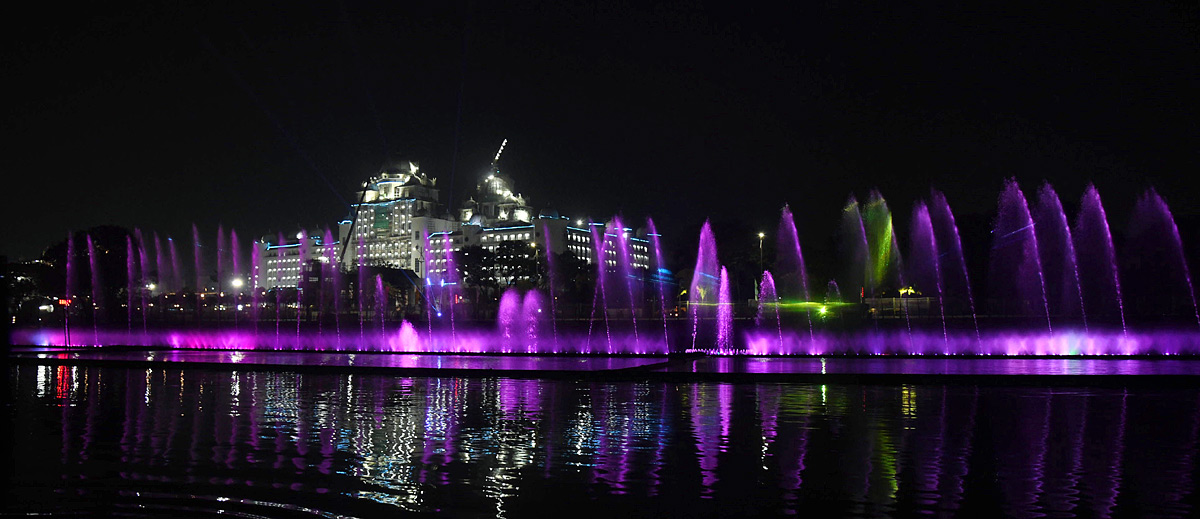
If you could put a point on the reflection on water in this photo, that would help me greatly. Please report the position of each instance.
(181, 442)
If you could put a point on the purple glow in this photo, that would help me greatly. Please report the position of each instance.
(547, 249)
(176, 266)
(144, 276)
(702, 294)
(131, 285)
(724, 314)
(97, 291)
(1015, 257)
(625, 270)
(660, 269)
(946, 231)
(1161, 265)
(600, 297)
(924, 259)
(508, 314)
(160, 263)
(1098, 259)
(768, 305)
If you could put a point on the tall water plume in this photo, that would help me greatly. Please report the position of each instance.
(1057, 254)
(551, 276)
(532, 318)
(1158, 276)
(381, 303)
(70, 288)
(508, 317)
(176, 266)
(792, 282)
(236, 279)
(600, 297)
(301, 278)
(450, 280)
(924, 259)
(131, 284)
(278, 287)
(855, 250)
(198, 288)
(256, 273)
(883, 252)
(427, 262)
(659, 275)
(144, 278)
(1015, 261)
(221, 249)
(97, 291)
(624, 269)
(790, 272)
(768, 305)
(161, 263)
(360, 262)
(1097, 259)
(724, 313)
(703, 292)
(70, 275)
(949, 243)
(330, 282)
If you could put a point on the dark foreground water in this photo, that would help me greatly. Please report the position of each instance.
(166, 441)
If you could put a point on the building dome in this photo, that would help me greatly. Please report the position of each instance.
(549, 212)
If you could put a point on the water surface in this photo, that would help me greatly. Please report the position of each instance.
(173, 441)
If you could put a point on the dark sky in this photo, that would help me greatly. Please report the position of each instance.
(266, 118)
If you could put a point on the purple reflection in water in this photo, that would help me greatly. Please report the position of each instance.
(469, 445)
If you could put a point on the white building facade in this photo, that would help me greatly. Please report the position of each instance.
(398, 223)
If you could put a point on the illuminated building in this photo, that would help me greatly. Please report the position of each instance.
(281, 262)
(396, 207)
(398, 223)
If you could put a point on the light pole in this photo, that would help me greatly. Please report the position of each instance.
(236, 283)
(761, 235)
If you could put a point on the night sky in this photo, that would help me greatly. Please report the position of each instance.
(267, 118)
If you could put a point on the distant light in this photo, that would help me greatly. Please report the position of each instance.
(151, 286)
(240, 307)
(300, 235)
(762, 235)
(237, 283)
(578, 222)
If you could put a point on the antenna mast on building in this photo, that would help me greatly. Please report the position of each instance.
(498, 152)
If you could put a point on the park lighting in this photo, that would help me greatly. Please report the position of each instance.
(237, 283)
(151, 287)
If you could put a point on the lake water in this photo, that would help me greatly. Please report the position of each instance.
(178, 441)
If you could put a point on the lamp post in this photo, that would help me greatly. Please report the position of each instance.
(237, 297)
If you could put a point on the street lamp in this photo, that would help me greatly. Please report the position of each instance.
(236, 283)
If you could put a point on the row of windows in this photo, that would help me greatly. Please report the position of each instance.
(505, 237)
